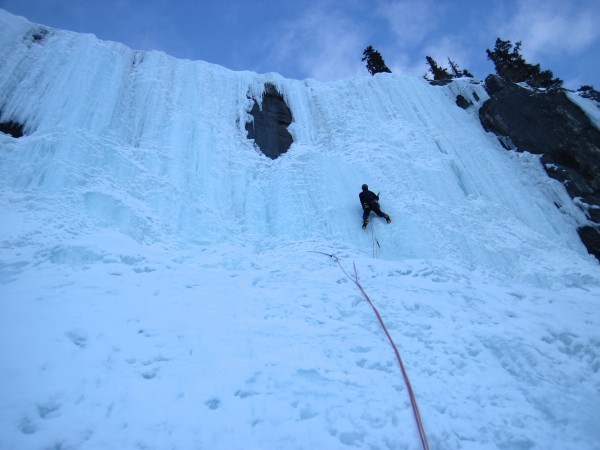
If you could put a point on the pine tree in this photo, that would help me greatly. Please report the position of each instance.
(511, 66)
(506, 59)
(375, 63)
(457, 72)
(455, 69)
(439, 73)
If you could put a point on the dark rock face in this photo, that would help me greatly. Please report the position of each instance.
(39, 35)
(590, 236)
(269, 128)
(15, 129)
(463, 102)
(551, 125)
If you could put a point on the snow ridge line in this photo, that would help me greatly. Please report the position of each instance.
(411, 393)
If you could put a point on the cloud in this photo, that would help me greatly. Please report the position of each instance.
(409, 20)
(554, 27)
(417, 30)
(325, 44)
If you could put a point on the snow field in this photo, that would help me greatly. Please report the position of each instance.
(281, 349)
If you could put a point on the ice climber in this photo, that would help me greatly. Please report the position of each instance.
(370, 202)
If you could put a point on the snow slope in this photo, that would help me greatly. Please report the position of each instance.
(160, 286)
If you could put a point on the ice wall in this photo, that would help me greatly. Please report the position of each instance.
(156, 148)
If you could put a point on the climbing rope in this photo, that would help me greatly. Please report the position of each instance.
(374, 241)
(411, 394)
(413, 400)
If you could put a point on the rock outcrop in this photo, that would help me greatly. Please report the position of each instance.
(550, 124)
(269, 127)
(15, 129)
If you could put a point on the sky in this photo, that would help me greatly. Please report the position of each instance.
(325, 39)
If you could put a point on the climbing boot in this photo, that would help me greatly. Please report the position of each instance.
(387, 219)
(365, 224)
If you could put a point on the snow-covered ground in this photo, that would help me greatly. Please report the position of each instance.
(161, 285)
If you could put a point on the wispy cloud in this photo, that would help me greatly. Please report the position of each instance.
(324, 43)
(415, 27)
(409, 20)
(554, 27)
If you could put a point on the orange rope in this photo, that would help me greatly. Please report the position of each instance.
(413, 399)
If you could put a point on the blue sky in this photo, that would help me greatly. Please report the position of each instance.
(324, 39)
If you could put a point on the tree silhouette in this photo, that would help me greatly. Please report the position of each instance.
(375, 63)
(457, 72)
(439, 73)
(511, 66)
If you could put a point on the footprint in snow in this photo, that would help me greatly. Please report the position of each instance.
(213, 403)
(78, 338)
